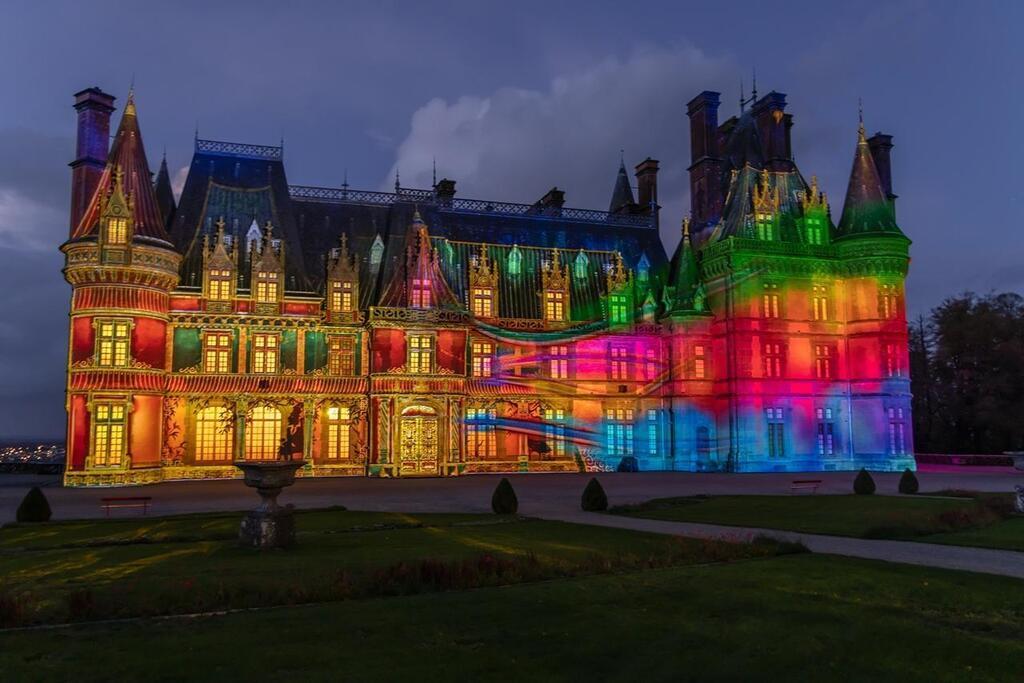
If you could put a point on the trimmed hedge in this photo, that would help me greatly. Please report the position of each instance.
(908, 482)
(863, 485)
(34, 507)
(594, 498)
(504, 501)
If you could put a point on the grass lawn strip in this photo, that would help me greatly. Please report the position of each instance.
(806, 617)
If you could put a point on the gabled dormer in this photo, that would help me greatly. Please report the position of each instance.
(266, 282)
(766, 209)
(342, 284)
(555, 294)
(483, 285)
(620, 293)
(815, 218)
(116, 221)
(220, 270)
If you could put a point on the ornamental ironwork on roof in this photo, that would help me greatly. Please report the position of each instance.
(239, 149)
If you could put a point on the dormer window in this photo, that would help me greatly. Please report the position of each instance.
(420, 295)
(483, 302)
(267, 287)
(341, 297)
(617, 309)
(117, 231)
(765, 228)
(815, 230)
(643, 269)
(554, 306)
(220, 285)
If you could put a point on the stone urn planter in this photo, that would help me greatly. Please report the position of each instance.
(269, 525)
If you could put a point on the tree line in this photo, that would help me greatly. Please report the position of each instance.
(967, 375)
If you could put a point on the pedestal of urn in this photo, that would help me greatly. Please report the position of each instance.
(269, 525)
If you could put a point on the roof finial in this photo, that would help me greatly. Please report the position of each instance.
(398, 184)
(344, 182)
(434, 171)
(686, 227)
(860, 119)
(742, 99)
(622, 157)
(129, 105)
(753, 91)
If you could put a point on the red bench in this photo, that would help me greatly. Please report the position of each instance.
(126, 502)
(804, 485)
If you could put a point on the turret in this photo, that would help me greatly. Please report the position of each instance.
(868, 209)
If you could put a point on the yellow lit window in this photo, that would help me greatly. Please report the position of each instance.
(420, 293)
(339, 441)
(341, 297)
(421, 353)
(483, 302)
(819, 302)
(770, 301)
(215, 434)
(263, 433)
(482, 358)
(217, 352)
(113, 338)
(117, 230)
(481, 438)
(341, 354)
(267, 288)
(264, 353)
(220, 285)
(554, 306)
(618, 363)
(554, 431)
(108, 434)
(558, 362)
(823, 361)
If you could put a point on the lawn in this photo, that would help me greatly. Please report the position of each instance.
(955, 521)
(106, 569)
(805, 617)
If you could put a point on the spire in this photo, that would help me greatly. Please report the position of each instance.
(867, 209)
(129, 155)
(622, 194)
(164, 192)
(684, 275)
(129, 105)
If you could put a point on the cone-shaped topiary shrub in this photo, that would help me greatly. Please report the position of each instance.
(34, 507)
(908, 482)
(594, 498)
(504, 501)
(863, 485)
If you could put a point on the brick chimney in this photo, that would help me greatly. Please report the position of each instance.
(880, 145)
(551, 203)
(445, 190)
(94, 108)
(705, 164)
(647, 183)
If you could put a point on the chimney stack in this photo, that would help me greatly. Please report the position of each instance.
(445, 190)
(705, 165)
(94, 108)
(647, 183)
(551, 203)
(880, 145)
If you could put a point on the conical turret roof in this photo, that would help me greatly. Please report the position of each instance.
(622, 195)
(128, 157)
(164, 193)
(684, 274)
(867, 210)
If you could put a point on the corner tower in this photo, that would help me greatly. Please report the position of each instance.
(121, 267)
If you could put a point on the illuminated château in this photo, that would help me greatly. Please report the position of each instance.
(420, 333)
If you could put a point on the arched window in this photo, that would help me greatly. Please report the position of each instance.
(215, 434)
(263, 433)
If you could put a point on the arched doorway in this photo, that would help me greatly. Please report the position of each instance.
(418, 441)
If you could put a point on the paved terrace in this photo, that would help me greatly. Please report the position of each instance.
(557, 496)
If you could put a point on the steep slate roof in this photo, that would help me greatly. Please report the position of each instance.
(128, 156)
(738, 211)
(867, 210)
(622, 193)
(684, 275)
(164, 193)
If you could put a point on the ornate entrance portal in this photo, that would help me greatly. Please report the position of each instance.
(418, 441)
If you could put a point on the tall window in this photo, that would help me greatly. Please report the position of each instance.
(215, 435)
(482, 358)
(217, 352)
(617, 309)
(897, 432)
(117, 230)
(341, 297)
(481, 439)
(815, 230)
(819, 302)
(113, 338)
(770, 301)
(267, 287)
(773, 359)
(826, 432)
(554, 431)
(618, 362)
(892, 361)
(264, 353)
(650, 364)
(341, 354)
(108, 438)
(776, 432)
(765, 227)
(619, 431)
(888, 302)
(420, 297)
(699, 362)
(263, 433)
(652, 432)
(823, 365)
(558, 362)
(421, 353)
(483, 302)
(219, 284)
(339, 437)
(554, 305)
